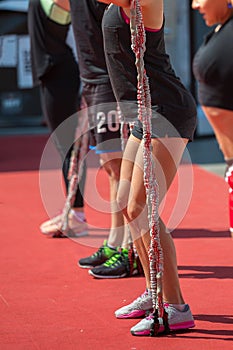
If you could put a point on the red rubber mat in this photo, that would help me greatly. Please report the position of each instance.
(48, 303)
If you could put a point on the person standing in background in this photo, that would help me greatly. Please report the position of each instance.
(213, 70)
(173, 122)
(115, 258)
(56, 71)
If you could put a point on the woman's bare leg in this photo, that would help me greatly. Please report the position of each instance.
(111, 162)
(167, 154)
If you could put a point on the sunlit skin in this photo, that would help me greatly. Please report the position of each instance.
(149, 8)
(212, 11)
(65, 4)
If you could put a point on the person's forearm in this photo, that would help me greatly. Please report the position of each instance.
(126, 3)
(65, 4)
(121, 3)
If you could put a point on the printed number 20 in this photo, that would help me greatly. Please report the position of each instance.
(111, 119)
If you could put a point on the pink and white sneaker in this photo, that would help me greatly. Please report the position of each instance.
(138, 308)
(177, 320)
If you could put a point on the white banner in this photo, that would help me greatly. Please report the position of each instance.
(24, 72)
(8, 51)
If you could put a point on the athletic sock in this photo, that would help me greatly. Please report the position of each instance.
(79, 215)
(179, 307)
(111, 246)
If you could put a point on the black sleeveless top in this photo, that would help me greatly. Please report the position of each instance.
(86, 21)
(48, 44)
(213, 68)
(167, 91)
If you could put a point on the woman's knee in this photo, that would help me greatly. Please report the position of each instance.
(134, 209)
(122, 201)
(112, 167)
(113, 170)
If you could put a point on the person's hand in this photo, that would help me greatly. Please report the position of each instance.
(64, 4)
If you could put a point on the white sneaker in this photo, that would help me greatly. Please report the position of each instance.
(138, 308)
(76, 227)
(51, 225)
(177, 320)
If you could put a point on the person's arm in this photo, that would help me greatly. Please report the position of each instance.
(126, 3)
(152, 11)
(65, 4)
(121, 3)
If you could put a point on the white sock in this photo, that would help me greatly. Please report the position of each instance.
(179, 307)
(111, 246)
(79, 215)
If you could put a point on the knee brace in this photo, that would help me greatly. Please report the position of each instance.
(229, 180)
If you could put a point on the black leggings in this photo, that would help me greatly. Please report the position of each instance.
(60, 100)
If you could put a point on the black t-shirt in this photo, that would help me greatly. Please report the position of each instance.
(86, 16)
(48, 41)
(213, 68)
(167, 91)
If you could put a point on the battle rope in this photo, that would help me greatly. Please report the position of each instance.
(75, 168)
(138, 39)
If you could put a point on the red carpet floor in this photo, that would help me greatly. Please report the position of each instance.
(48, 303)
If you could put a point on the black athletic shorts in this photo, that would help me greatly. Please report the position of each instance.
(103, 117)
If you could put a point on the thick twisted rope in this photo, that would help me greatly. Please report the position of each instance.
(138, 39)
(75, 169)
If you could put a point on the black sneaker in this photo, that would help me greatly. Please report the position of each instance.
(115, 267)
(98, 258)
